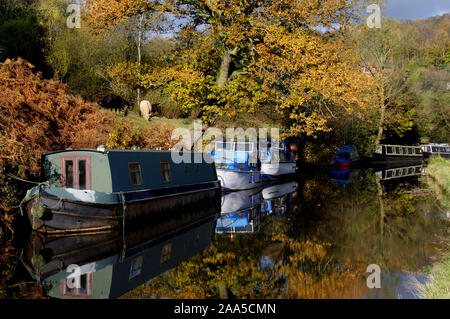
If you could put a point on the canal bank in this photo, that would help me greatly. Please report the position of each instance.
(439, 181)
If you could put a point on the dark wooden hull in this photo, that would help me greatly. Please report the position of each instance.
(66, 216)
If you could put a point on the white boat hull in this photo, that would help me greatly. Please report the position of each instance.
(273, 170)
(238, 180)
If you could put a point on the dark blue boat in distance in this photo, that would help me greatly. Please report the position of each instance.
(346, 156)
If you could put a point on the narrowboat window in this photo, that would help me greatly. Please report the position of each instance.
(69, 174)
(389, 174)
(83, 284)
(405, 150)
(165, 172)
(442, 149)
(389, 150)
(136, 267)
(398, 150)
(435, 149)
(82, 174)
(135, 174)
(165, 253)
(418, 151)
(410, 151)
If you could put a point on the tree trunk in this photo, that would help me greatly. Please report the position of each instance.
(224, 69)
(382, 116)
(139, 57)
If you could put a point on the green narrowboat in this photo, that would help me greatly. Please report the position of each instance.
(94, 190)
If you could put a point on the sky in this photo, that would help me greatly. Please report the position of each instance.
(416, 9)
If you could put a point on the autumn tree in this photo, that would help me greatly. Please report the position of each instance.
(241, 56)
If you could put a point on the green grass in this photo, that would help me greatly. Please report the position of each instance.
(439, 285)
(439, 171)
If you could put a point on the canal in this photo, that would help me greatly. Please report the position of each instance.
(310, 237)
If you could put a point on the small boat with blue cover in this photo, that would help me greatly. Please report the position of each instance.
(346, 156)
(237, 165)
(96, 190)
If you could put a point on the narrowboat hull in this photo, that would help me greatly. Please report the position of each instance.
(275, 170)
(427, 155)
(233, 180)
(395, 159)
(59, 211)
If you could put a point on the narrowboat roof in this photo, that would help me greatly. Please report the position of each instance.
(105, 151)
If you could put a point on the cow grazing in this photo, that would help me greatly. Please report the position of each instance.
(146, 109)
(114, 102)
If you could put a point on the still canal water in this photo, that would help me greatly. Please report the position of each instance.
(312, 237)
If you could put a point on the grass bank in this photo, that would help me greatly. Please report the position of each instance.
(439, 285)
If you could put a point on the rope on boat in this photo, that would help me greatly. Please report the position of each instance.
(124, 210)
(26, 181)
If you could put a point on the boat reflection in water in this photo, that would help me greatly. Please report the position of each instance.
(109, 264)
(399, 172)
(277, 198)
(240, 212)
(344, 177)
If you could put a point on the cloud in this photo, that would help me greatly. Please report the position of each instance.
(416, 9)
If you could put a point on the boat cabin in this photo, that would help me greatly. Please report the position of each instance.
(439, 149)
(346, 154)
(235, 155)
(114, 171)
(274, 151)
(399, 150)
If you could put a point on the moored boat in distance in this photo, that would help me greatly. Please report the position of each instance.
(237, 165)
(436, 149)
(346, 156)
(276, 159)
(390, 154)
(94, 190)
